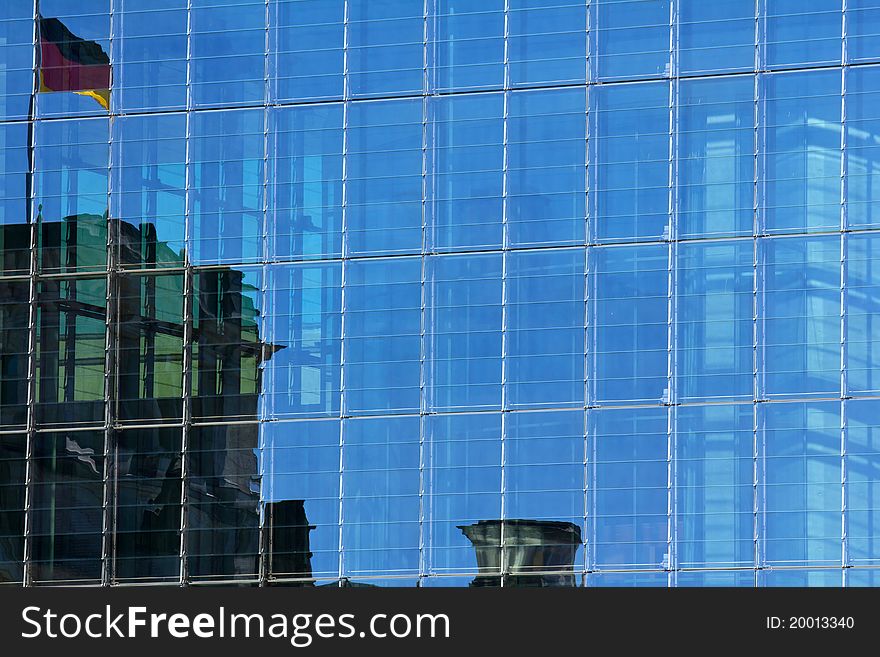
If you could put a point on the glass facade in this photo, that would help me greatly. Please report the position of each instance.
(443, 293)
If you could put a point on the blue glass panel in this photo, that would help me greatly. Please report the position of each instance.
(545, 332)
(301, 462)
(631, 156)
(382, 335)
(307, 49)
(863, 30)
(716, 157)
(16, 59)
(305, 183)
(714, 310)
(302, 376)
(628, 452)
(547, 41)
(468, 152)
(802, 145)
(632, 38)
(546, 167)
(14, 234)
(464, 320)
(228, 51)
(862, 463)
(799, 315)
(628, 323)
(226, 197)
(715, 524)
(738, 578)
(386, 51)
(801, 578)
(464, 484)
(380, 486)
(469, 47)
(384, 177)
(544, 456)
(148, 190)
(799, 477)
(799, 34)
(150, 71)
(862, 305)
(70, 192)
(862, 146)
(716, 37)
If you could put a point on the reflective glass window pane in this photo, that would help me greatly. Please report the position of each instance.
(71, 335)
(67, 507)
(800, 34)
(148, 196)
(88, 20)
(628, 323)
(632, 39)
(628, 509)
(802, 145)
(862, 305)
(464, 316)
(229, 343)
(716, 36)
(862, 463)
(304, 316)
(12, 489)
(301, 489)
(384, 182)
(800, 482)
(149, 347)
(382, 343)
(226, 194)
(16, 59)
(862, 145)
(545, 333)
(631, 155)
(546, 167)
(14, 232)
(463, 484)
(863, 30)
(544, 497)
(468, 183)
(228, 58)
(714, 486)
(147, 520)
(716, 157)
(306, 52)
(547, 41)
(14, 297)
(385, 47)
(70, 189)
(150, 51)
(714, 325)
(381, 489)
(799, 315)
(305, 182)
(223, 502)
(469, 47)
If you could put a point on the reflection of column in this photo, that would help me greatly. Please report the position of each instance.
(286, 534)
(536, 553)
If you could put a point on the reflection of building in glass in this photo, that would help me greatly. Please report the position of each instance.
(531, 553)
(533, 264)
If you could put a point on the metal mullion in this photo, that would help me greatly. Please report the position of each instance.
(343, 267)
(844, 543)
(424, 404)
(757, 219)
(505, 252)
(108, 530)
(186, 373)
(587, 544)
(33, 268)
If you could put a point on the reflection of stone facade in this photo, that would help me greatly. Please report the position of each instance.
(536, 553)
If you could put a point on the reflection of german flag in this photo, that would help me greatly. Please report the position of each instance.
(68, 63)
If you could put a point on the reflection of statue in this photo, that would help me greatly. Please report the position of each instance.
(536, 553)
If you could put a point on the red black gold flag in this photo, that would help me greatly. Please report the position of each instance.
(69, 63)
